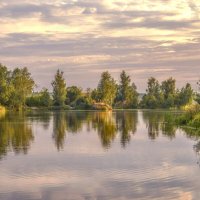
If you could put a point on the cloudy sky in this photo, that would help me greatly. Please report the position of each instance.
(159, 38)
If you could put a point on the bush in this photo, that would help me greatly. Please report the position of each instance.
(195, 122)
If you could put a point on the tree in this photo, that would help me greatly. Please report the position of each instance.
(45, 98)
(124, 86)
(153, 97)
(95, 95)
(153, 87)
(127, 93)
(39, 99)
(198, 92)
(185, 95)
(107, 88)
(23, 85)
(73, 93)
(59, 89)
(5, 85)
(169, 91)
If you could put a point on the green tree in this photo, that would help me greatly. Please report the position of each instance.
(198, 93)
(23, 85)
(40, 99)
(5, 85)
(45, 98)
(127, 93)
(95, 95)
(124, 86)
(107, 88)
(185, 96)
(169, 91)
(153, 97)
(73, 93)
(59, 89)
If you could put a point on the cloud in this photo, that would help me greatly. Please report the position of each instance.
(83, 37)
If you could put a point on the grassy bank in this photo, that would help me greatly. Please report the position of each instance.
(191, 117)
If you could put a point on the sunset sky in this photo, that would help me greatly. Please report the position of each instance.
(159, 38)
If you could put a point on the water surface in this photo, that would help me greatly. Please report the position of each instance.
(97, 156)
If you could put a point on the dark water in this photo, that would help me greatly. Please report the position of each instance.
(97, 156)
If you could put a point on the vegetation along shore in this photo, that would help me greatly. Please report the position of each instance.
(17, 93)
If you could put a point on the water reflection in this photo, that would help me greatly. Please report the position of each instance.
(84, 170)
(106, 124)
(16, 130)
(106, 127)
(126, 125)
(158, 122)
(42, 118)
(59, 129)
(15, 134)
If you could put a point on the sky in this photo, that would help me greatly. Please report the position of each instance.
(83, 38)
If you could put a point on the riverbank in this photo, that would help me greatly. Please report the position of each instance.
(191, 118)
(2, 111)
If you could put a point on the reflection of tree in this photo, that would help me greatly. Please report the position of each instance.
(15, 134)
(41, 117)
(75, 121)
(197, 150)
(167, 126)
(159, 122)
(126, 125)
(105, 125)
(153, 120)
(67, 122)
(59, 129)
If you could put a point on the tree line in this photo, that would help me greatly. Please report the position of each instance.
(17, 86)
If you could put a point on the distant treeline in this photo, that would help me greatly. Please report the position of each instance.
(17, 86)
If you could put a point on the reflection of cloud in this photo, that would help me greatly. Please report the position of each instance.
(77, 182)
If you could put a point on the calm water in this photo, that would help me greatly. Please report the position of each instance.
(97, 155)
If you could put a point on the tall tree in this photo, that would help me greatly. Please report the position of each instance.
(198, 92)
(59, 89)
(23, 85)
(127, 93)
(169, 91)
(153, 87)
(185, 96)
(125, 82)
(107, 88)
(153, 97)
(5, 85)
(169, 87)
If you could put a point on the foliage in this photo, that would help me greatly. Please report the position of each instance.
(185, 96)
(166, 95)
(59, 89)
(40, 99)
(127, 96)
(73, 93)
(191, 117)
(83, 102)
(197, 98)
(16, 91)
(153, 97)
(5, 85)
(107, 88)
(23, 85)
